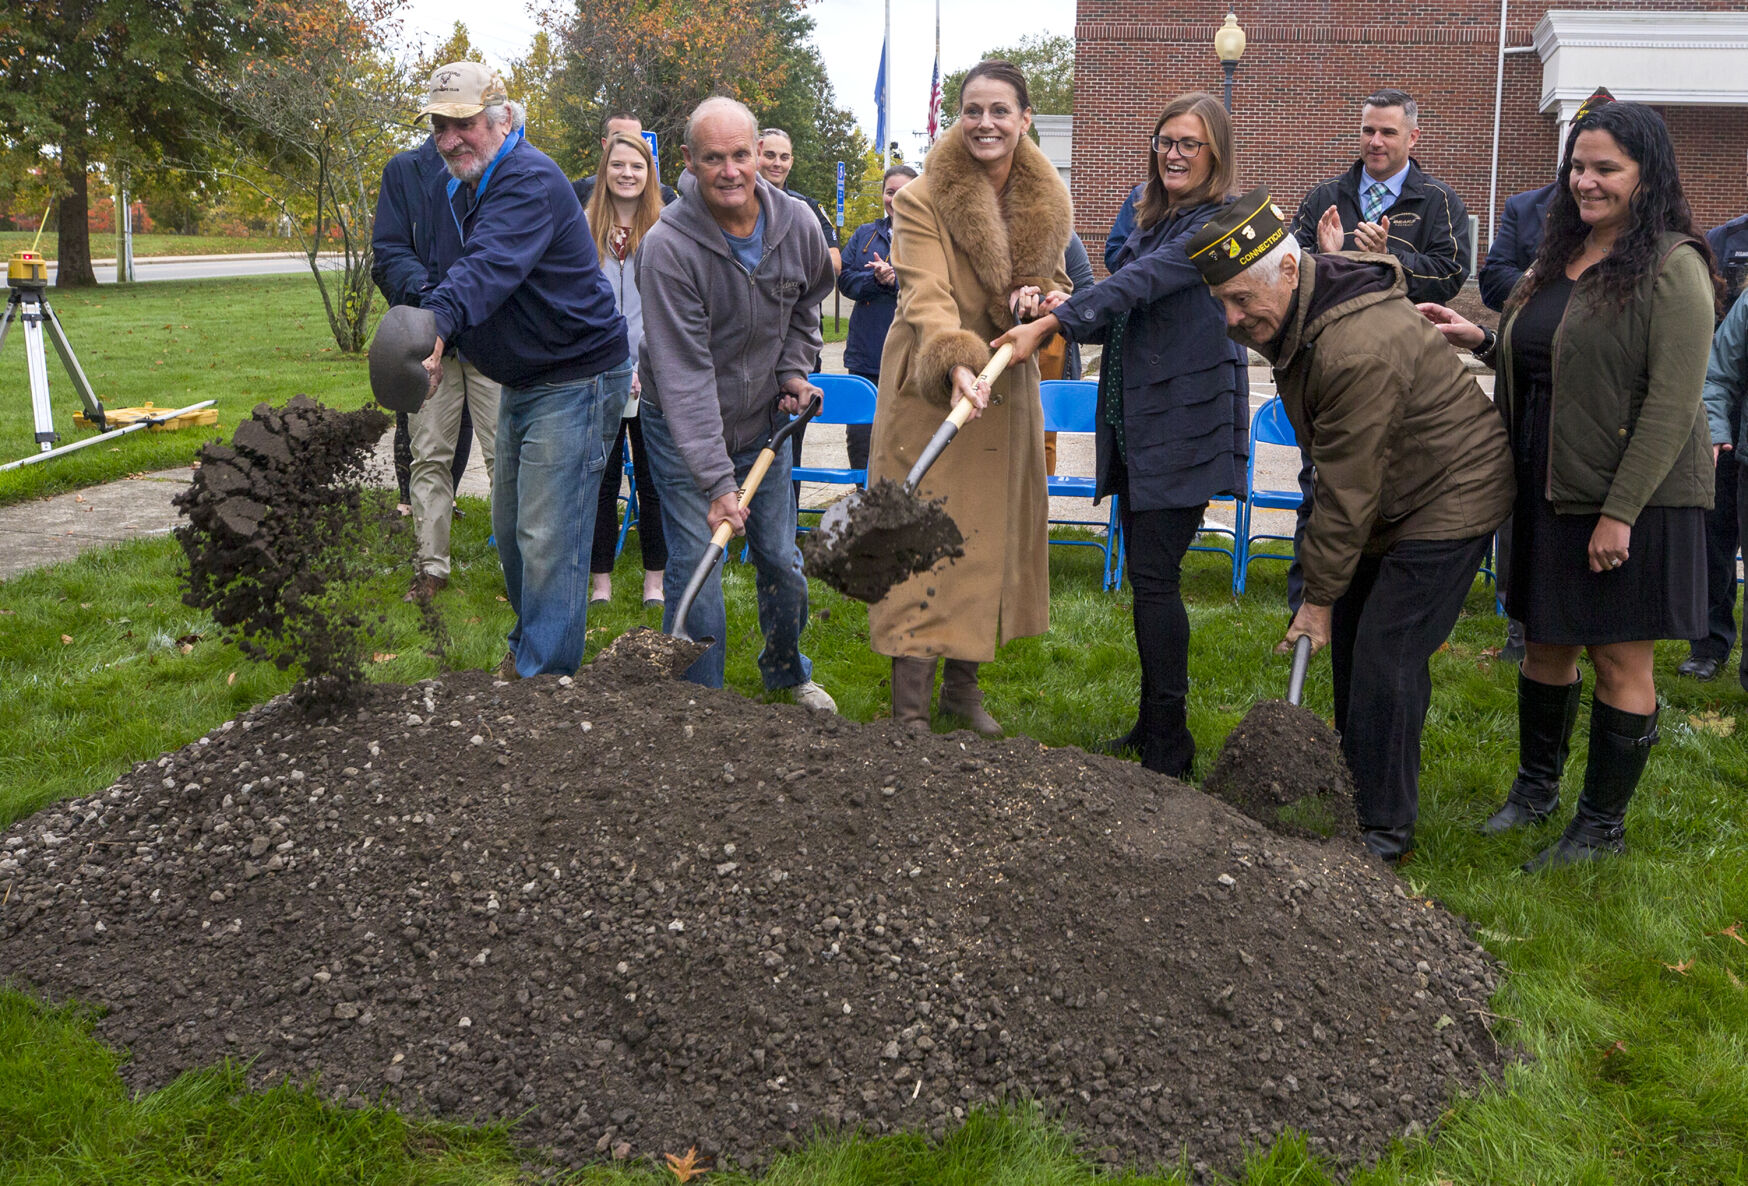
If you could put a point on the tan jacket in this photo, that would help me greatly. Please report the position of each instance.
(1406, 444)
(956, 265)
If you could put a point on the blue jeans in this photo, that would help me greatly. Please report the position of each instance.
(551, 449)
(781, 587)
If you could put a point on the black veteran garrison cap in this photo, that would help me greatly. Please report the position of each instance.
(1238, 236)
(1597, 99)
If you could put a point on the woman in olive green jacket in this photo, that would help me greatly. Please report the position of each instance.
(1601, 363)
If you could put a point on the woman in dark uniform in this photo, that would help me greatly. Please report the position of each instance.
(1601, 363)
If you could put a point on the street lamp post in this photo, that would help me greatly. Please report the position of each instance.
(1229, 47)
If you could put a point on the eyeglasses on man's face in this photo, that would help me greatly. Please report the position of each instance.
(1186, 148)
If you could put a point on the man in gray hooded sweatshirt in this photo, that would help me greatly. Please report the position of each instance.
(731, 277)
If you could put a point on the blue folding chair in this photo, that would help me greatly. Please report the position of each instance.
(1269, 426)
(846, 399)
(1071, 405)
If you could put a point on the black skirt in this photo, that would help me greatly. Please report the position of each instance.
(1660, 592)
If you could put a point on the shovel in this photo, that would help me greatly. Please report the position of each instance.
(1301, 663)
(879, 537)
(725, 530)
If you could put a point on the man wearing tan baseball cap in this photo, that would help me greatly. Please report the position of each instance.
(522, 297)
(461, 90)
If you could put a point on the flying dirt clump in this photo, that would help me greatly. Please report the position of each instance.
(273, 539)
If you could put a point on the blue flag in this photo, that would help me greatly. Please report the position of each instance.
(880, 105)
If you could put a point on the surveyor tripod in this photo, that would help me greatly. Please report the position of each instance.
(27, 282)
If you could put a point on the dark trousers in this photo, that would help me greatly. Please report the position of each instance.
(1156, 543)
(649, 505)
(1399, 609)
(1721, 543)
(403, 450)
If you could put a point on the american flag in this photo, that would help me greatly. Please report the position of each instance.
(935, 99)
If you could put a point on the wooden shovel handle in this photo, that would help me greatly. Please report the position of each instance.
(761, 466)
(997, 364)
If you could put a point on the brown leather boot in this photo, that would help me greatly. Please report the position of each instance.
(961, 697)
(913, 684)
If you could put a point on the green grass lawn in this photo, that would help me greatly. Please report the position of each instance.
(154, 244)
(1623, 986)
(172, 343)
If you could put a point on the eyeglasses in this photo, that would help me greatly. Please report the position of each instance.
(1186, 148)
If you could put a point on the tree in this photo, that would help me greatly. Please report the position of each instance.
(821, 132)
(866, 204)
(660, 59)
(317, 123)
(534, 81)
(89, 80)
(1048, 62)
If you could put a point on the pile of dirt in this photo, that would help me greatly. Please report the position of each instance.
(1283, 766)
(641, 915)
(274, 520)
(878, 538)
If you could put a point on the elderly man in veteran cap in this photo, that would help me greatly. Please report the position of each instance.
(1413, 473)
(523, 297)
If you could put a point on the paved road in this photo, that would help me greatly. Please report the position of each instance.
(207, 267)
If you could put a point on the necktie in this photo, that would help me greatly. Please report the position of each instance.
(1374, 200)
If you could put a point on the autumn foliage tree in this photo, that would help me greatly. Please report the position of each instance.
(659, 59)
(83, 81)
(315, 124)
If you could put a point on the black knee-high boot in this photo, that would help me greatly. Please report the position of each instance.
(1620, 744)
(1545, 715)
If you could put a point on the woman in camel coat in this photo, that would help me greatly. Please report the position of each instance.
(974, 238)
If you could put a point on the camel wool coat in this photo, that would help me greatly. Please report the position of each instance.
(960, 251)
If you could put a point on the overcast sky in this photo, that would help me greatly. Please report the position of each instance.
(848, 36)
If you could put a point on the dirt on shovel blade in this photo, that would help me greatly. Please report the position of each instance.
(642, 655)
(1283, 768)
(888, 537)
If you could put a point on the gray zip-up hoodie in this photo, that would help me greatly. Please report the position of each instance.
(718, 341)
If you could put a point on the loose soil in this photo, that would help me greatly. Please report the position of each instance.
(879, 538)
(274, 522)
(639, 915)
(1282, 766)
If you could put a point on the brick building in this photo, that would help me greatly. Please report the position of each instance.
(1309, 62)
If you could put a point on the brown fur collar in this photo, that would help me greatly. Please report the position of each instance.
(1035, 203)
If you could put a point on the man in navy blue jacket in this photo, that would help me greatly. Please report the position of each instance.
(523, 297)
(436, 436)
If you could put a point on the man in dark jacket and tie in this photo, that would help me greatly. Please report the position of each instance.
(1386, 203)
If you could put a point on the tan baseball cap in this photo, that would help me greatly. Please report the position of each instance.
(461, 90)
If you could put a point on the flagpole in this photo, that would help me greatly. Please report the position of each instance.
(886, 64)
(935, 114)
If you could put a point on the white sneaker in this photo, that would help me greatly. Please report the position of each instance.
(811, 695)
